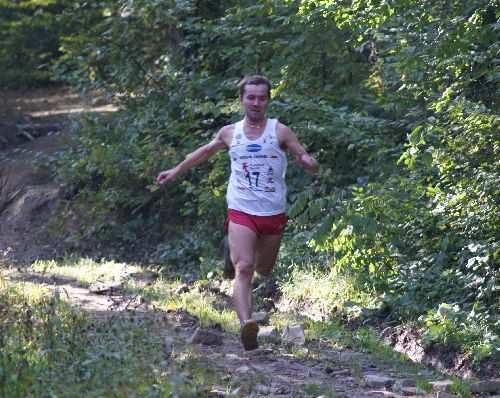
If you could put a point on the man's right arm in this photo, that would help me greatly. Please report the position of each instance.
(200, 155)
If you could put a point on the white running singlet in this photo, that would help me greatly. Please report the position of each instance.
(258, 167)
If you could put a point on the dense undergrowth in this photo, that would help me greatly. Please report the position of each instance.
(397, 100)
(30, 40)
(50, 348)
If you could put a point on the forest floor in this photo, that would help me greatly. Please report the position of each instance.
(195, 321)
(191, 327)
(34, 132)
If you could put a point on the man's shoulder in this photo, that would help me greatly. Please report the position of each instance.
(225, 134)
(281, 126)
(282, 131)
(227, 128)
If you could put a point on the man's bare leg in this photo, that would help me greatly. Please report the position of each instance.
(242, 241)
(266, 253)
(242, 244)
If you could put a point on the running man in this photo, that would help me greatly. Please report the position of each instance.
(256, 193)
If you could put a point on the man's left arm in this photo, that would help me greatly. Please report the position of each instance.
(290, 142)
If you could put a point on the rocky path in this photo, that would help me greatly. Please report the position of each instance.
(34, 130)
(28, 199)
(277, 369)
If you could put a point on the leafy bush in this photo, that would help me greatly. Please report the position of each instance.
(398, 101)
(30, 40)
(428, 232)
(50, 348)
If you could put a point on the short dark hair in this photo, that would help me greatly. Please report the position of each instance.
(255, 80)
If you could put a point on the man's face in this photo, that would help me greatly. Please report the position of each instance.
(255, 100)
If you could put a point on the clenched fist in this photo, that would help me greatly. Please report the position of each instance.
(166, 176)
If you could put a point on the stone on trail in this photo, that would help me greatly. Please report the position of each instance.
(443, 394)
(217, 392)
(337, 373)
(243, 369)
(407, 387)
(184, 288)
(441, 385)
(241, 391)
(206, 337)
(294, 334)
(105, 287)
(262, 389)
(260, 317)
(486, 386)
(412, 391)
(378, 381)
(268, 332)
(400, 384)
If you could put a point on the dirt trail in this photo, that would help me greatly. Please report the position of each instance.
(274, 370)
(33, 127)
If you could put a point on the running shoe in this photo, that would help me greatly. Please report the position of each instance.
(249, 332)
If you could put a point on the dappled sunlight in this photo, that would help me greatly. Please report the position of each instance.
(147, 325)
(113, 286)
(320, 295)
(75, 110)
(202, 306)
(110, 286)
(30, 291)
(86, 270)
(49, 102)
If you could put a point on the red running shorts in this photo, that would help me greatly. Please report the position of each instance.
(261, 225)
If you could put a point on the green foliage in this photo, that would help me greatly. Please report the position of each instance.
(324, 296)
(460, 387)
(30, 40)
(176, 94)
(428, 233)
(397, 100)
(50, 348)
(35, 340)
(452, 327)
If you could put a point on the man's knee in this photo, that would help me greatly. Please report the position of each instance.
(244, 268)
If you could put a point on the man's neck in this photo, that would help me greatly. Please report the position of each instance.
(255, 123)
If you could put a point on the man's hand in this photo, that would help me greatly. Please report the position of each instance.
(289, 140)
(308, 162)
(167, 176)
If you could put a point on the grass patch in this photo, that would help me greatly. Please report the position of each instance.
(48, 348)
(201, 304)
(162, 292)
(323, 295)
(85, 270)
